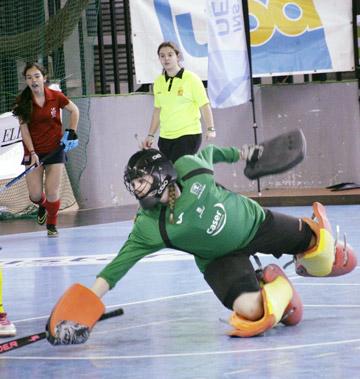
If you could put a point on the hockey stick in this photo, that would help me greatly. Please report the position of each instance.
(20, 342)
(30, 169)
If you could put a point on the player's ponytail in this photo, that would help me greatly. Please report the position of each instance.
(23, 106)
(172, 199)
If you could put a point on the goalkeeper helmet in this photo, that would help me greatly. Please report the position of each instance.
(149, 162)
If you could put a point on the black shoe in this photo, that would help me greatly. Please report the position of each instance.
(51, 230)
(41, 216)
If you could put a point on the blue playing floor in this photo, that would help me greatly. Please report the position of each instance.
(173, 325)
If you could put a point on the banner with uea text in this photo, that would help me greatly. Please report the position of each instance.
(228, 62)
(287, 37)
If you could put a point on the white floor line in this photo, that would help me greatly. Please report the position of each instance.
(328, 284)
(146, 325)
(184, 355)
(196, 293)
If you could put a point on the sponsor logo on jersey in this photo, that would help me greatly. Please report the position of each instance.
(197, 189)
(200, 210)
(180, 218)
(53, 112)
(218, 221)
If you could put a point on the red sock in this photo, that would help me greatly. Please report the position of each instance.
(42, 200)
(52, 208)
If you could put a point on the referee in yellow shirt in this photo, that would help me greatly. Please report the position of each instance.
(180, 100)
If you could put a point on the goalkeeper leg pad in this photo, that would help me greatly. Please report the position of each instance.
(276, 295)
(327, 257)
(294, 311)
(79, 305)
(345, 259)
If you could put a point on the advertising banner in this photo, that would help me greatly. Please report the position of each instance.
(228, 61)
(11, 149)
(287, 37)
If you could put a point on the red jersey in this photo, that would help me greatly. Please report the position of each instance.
(45, 126)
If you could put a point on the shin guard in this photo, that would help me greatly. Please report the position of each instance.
(52, 209)
(276, 295)
(328, 257)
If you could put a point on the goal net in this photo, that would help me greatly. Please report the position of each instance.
(61, 35)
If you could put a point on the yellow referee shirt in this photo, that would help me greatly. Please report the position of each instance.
(179, 99)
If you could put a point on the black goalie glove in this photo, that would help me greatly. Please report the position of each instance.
(69, 333)
(275, 155)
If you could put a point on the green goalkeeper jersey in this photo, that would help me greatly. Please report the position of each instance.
(209, 221)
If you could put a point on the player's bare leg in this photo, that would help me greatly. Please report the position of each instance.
(277, 301)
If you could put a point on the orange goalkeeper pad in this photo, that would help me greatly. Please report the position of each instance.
(246, 328)
(276, 296)
(78, 304)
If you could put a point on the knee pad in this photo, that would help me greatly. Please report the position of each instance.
(328, 257)
(276, 295)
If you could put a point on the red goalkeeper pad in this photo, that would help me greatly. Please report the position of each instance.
(78, 304)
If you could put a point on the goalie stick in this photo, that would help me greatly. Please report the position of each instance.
(23, 341)
(30, 169)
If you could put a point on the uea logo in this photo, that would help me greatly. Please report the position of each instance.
(218, 221)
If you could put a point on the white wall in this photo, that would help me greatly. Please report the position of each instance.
(328, 113)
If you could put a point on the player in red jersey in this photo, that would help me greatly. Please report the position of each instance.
(38, 110)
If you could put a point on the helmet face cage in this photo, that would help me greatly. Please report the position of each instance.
(154, 163)
(131, 174)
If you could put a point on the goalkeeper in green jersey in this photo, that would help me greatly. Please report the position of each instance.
(182, 207)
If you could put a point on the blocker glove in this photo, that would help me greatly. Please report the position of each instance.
(69, 140)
